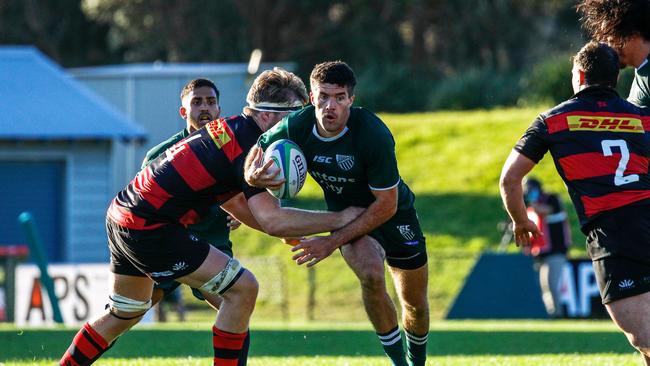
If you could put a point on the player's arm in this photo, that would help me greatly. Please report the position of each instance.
(514, 170)
(238, 208)
(313, 250)
(292, 222)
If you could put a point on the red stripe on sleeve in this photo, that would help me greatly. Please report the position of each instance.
(146, 186)
(188, 165)
(557, 123)
(588, 165)
(594, 205)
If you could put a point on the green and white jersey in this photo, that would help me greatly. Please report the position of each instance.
(640, 89)
(350, 165)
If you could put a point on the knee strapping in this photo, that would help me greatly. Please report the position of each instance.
(220, 283)
(124, 304)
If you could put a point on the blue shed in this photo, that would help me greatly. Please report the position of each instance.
(58, 144)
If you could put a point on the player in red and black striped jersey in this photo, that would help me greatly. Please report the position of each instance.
(147, 224)
(601, 148)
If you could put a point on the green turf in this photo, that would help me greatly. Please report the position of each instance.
(450, 343)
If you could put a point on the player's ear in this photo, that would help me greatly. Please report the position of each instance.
(351, 99)
(581, 74)
(183, 112)
(311, 98)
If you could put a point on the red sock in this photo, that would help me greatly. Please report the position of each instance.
(86, 347)
(228, 348)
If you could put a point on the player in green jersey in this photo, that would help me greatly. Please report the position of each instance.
(351, 154)
(199, 105)
(625, 26)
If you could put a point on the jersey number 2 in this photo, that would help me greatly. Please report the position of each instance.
(619, 178)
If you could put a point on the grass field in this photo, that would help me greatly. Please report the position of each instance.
(499, 343)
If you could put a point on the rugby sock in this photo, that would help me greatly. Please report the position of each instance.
(417, 348)
(244, 350)
(229, 348)
(86, 347)
(392, 343)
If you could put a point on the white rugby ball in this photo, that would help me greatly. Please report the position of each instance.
(292, 164)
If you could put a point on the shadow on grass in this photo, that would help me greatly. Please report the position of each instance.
(33, 344)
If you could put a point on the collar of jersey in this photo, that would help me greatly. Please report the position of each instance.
(327, 139)
(645, 62)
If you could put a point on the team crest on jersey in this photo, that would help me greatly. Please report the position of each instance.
(217, 132)
(406, 231)
(345, 162)
(605, 124)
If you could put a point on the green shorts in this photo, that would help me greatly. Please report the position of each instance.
(402, 239)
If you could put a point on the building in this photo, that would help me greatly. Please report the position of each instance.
(60, 146)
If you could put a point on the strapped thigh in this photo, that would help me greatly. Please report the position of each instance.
(220, 283)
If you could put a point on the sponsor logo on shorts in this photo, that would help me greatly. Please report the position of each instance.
(161, 274)
(609, 124)
(345, 162)
(626, 284)
(412, 242)
(406, 232)
(179, 266)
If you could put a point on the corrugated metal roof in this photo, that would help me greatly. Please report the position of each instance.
(41, 102)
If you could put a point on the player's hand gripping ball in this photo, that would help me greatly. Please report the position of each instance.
(292, 164)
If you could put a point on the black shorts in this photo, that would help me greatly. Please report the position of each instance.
(161, 254)
(402, 239)
(618, 243)
(168, 287)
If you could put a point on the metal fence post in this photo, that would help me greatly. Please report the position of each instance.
(37, 252)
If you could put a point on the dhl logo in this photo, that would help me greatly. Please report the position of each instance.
(218, 133)
(608, 124)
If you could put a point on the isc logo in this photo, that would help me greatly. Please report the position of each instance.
(323, 159)
(609, 124)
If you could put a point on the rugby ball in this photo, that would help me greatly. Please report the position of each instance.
(291, 162)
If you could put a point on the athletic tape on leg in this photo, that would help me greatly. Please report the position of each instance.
(121, 303)
(224, 279)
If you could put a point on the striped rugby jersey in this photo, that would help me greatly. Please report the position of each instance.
(600, 147)
(181, 184)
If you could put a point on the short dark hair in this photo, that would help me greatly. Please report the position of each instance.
(618, 19)
(333, 72)
(599, 63)
(198, 83)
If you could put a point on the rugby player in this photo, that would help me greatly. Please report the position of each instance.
(199, 105)
(600, 146)
(147, 225)
(351, 154)
(625, 26)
